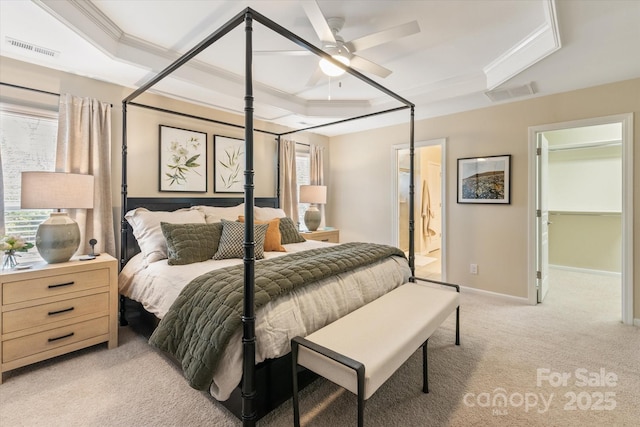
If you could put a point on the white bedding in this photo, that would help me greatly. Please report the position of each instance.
(299, 313)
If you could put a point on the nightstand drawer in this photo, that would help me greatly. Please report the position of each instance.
(331, 236)
(44, 314)
(42, 287)
(43, 341)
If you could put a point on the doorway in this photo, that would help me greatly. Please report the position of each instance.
(429, 218)
(581, 178)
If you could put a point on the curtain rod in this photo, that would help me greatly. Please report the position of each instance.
(191, 116)
(34, 90)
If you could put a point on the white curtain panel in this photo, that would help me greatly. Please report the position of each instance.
(288, 179)
(2, 232)
(317, 173)
(84, 146)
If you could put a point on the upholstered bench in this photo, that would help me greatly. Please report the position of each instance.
(363, 349)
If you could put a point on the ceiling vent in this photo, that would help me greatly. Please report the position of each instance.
(498, 95)
(32, 47)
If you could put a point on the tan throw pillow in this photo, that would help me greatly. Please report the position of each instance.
(273, 239)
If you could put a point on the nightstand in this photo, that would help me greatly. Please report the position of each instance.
(331, 235)
(53, 309)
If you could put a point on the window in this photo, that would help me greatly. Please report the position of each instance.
(27, 143)
(303, 171)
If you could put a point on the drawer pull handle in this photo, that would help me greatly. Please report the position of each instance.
(51, 313)
(61, 284)
(62, 337)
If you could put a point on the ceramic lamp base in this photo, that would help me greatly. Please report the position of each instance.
(58, 238)
(312, 218)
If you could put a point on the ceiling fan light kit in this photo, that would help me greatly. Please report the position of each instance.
(333, 70)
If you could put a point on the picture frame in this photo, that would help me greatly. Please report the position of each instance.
(183, 160)
(485, 179)
(228, 164)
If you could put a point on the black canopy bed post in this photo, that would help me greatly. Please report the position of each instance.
(123, 222)
(253, 396)
(412, 255)
(248, 317)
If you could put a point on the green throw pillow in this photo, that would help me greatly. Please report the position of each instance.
(232, 240)
(289, 232)
(189, 243)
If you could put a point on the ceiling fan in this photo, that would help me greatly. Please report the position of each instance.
(328, 31)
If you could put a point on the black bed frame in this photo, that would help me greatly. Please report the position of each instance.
(265, 386)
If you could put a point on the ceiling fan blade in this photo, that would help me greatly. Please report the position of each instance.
(365, 65)
(282, 52)
(315, 77)
(318, 21)
(383, 36)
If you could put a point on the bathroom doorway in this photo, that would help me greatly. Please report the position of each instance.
(429, 219)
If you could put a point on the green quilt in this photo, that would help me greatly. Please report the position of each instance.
(208, 311)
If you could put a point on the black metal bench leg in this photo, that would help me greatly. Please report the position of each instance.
(425, 370)
(360, 376)
(296, 408)
(458, 325)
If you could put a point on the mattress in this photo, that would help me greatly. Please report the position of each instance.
(301, 312)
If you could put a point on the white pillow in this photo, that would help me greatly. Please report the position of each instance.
(266, 214)
(148, 233)
(217, 214)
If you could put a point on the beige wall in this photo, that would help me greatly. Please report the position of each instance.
(492, 236)
(589, 241)
(143, 128)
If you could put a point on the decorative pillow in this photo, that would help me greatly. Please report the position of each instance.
(272, 238)
(289, 232)
(232, 240)
(265, 214)
(216, 213)
(146, 229)
(189, 243)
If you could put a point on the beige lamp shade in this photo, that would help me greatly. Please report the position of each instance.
(58, 238)
(313, 194)
(56, 190)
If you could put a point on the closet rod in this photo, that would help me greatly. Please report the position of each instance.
(586, 145)
(34, 90)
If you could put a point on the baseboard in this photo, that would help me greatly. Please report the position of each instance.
(636, 322)
(496, 294)
(585, 270)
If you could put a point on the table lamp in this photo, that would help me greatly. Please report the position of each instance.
(314, 194)
(57, 238)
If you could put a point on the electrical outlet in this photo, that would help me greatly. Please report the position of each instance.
(473, 268)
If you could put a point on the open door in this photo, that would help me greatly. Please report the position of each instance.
(542, 215)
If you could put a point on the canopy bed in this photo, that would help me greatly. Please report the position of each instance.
(267, 385)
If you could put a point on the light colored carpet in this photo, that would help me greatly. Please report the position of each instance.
(504, 344)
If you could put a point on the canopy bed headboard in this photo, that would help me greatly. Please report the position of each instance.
(247, 16)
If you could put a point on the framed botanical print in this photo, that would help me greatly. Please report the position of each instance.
(484, 180)
(228, 164)
(183, 160)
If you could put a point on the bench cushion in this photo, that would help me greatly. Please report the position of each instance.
(381, 335)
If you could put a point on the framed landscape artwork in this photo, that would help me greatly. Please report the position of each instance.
(228, 164)
(484, 180)
(183, 160)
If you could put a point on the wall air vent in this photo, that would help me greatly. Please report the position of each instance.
(32, 47)
(498, 95)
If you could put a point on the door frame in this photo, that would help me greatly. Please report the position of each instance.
(626, 120)
(395, 216)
